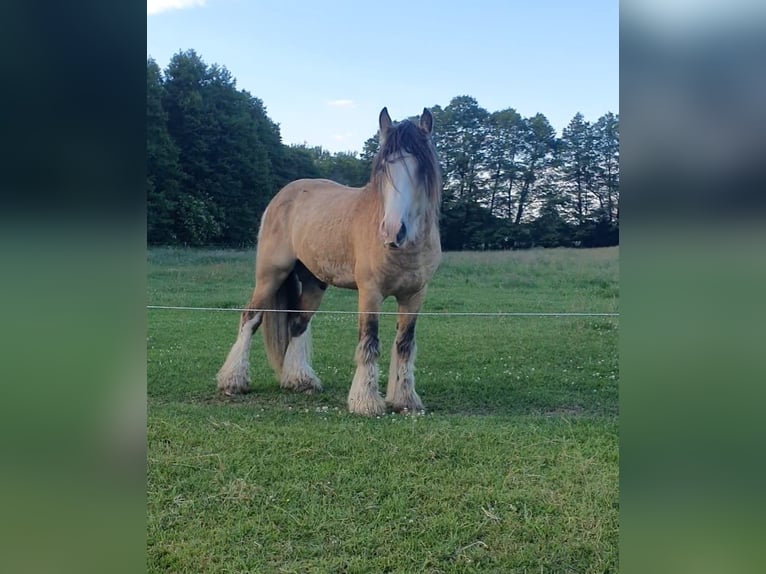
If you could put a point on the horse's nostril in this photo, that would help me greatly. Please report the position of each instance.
(402, 233)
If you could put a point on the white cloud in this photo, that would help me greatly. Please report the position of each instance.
(341, 103)
(157, 6)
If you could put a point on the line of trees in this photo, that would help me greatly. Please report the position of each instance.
(511, 182)
(215, 159)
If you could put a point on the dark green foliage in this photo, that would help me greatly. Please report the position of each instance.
(344, 167)
(461, 141)
(299, 163)
(215, 159)
(162, 167)
(227, 151)
(510, 183)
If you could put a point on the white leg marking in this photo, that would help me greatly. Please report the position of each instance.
(363, 398)
(400, 393)
(297, 373)
(234, 375)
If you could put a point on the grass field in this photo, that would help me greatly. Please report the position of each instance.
(514, 468)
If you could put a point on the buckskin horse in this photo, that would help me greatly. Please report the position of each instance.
(381, 239)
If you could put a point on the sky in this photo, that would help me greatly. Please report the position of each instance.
(325, 69)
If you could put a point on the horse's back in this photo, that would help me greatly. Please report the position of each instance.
(305, 194)
(323, 186)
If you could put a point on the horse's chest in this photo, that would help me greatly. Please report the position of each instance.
(404, 275)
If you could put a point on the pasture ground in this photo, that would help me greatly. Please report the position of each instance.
(514, 468)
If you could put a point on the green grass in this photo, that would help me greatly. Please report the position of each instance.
(513, 469)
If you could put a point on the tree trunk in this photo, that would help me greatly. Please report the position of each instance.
(510, 197)
(494, 191)
(522, 200)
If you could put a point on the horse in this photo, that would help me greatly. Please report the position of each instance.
(381, 240)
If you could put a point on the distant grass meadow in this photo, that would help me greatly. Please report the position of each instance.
(514, 468)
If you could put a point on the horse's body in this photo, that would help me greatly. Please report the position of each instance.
(381, 239)
(332, 230)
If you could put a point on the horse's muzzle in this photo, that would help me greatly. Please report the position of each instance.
(400, 237)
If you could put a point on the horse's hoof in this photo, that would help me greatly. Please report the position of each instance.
(309, 385)
(405, 403)
(231, 386)
(369, 406)
(408, 409)
(233, 391)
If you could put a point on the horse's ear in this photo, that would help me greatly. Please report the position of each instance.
(426, 121)
(384, 120)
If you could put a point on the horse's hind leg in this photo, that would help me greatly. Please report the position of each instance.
(297, 373)
(234, 375)
(400, 394)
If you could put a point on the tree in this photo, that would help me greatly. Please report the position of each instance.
(215, 159)
(195, 218)
(224, 139)
(164, 174)
(550, 227)
(502, 147)
(606, 135)
(578, 164)
(538, 144)
(371, 147)
(464, 128)
(299, 163)
(343, 167)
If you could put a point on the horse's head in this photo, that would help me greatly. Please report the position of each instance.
(407, 175)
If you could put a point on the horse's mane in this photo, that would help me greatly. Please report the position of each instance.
(409, 138)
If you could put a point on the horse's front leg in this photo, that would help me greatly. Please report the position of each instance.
(400, 394)
(363, 398)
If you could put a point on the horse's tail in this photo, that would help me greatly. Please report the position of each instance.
(276, 329)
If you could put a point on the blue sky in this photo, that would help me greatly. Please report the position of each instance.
(325, 69)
